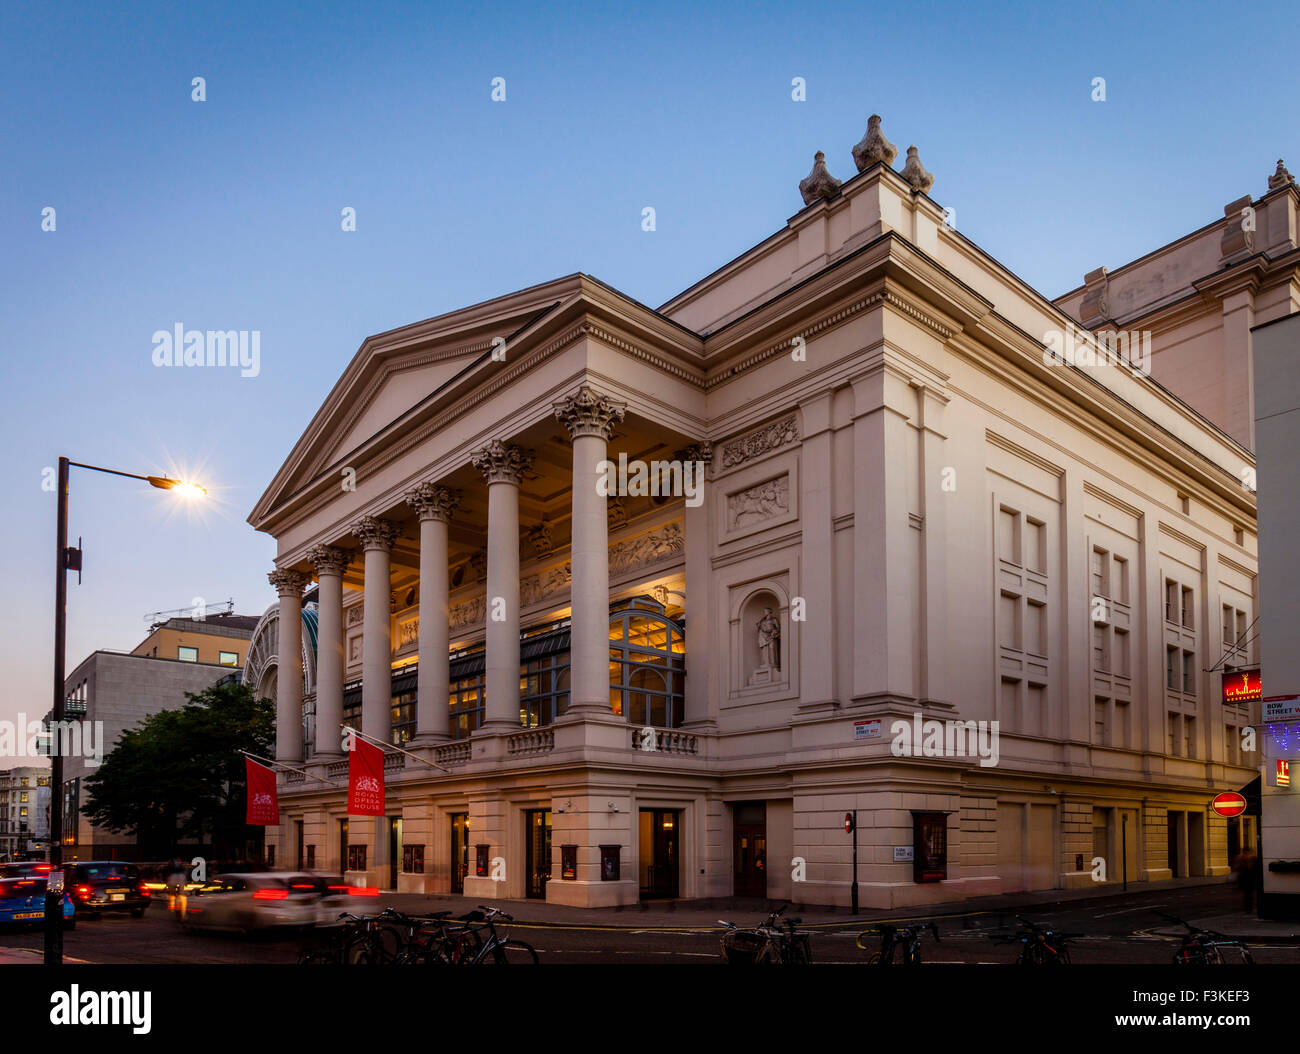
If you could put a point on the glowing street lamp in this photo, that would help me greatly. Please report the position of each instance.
(66, 559)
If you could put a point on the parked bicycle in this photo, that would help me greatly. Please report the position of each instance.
(1198, 947)
(773, 942)
(1040, 945)
(362, 940)
(903, 941)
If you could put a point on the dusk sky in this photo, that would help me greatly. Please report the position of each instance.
(225, 213)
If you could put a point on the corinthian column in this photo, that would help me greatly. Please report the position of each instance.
(288, 679)
(590, 418)
(330, 563)
(377, 537)
(503, 467)
(434, 505)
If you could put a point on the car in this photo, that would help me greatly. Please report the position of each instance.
(99, 886)
(25, 868)
(254, 901)
(22, 902)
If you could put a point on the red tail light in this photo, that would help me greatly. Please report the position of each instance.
(83, 891)
(363, 891)
(144, 890)
(271, 894)
(44, 867)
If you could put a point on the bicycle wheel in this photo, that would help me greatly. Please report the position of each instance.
(873, 959)
(514, 952)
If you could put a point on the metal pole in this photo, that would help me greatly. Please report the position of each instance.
(854, 888)
(54, 901)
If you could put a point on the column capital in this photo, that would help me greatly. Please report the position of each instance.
(376, 533)
(701, 451)
(432, 502)
(287, 582)
(589, 413)
(329, 559)
(502, 462)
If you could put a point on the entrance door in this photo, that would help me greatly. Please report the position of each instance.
(459, 850)
(394, 849)
(749, 851)
(1234, 839)
(658, 845)
(1174, 822)
(343, 845)
(537, 838)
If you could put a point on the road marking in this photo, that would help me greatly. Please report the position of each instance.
(1127, 911)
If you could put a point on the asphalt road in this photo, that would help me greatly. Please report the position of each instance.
(1118, 929)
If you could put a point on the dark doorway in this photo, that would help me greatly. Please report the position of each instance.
(343, 845)
(1234, 840)
(537, 836)
(659, 858)
(459, 850)
(750, 849)
(394, 849)
(298, 827)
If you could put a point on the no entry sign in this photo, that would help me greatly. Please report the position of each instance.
(1229, 803)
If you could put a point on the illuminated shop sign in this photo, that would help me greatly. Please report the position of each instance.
(1242, 686)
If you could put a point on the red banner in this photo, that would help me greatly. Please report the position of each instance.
(263, 805)
(365, 779)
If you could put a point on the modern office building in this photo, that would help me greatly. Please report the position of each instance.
(112, 691)
(858, 523)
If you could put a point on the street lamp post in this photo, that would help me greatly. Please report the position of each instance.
(66, 559)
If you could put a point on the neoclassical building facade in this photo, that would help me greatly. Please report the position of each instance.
(609, 686)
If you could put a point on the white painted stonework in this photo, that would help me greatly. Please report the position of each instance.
(929, 509)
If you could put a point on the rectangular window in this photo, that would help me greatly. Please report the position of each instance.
(22, 796)
(1119, 581)
(1100, 656)
(1120, 724)
(1242, 646)
(1175, 732)
(1187, 607)
(1171, 600)
(228, 658)
(1171, 669)
(187, 654)
(1189, 672)
(1120, 655)
(1101, 722)
(1229, 626)
(1230, 744)
(1189, 737)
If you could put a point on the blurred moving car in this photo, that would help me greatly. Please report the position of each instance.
(98, 886)
(22, 902)
(25, 868)
(267, 900)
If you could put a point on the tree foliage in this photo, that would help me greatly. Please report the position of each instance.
(179, 774)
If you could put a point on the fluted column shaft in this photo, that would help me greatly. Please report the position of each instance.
(590, 418)
(330, 563)
(434, 505)
(503, 467)
(288, 681)
(377, 537)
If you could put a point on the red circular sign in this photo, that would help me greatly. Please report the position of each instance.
(1229, 803)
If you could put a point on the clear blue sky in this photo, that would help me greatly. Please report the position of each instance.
(224, 214)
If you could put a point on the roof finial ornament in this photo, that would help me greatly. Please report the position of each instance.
(1281, 177)
(820, 184)
(915, 174)
(874, 146)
